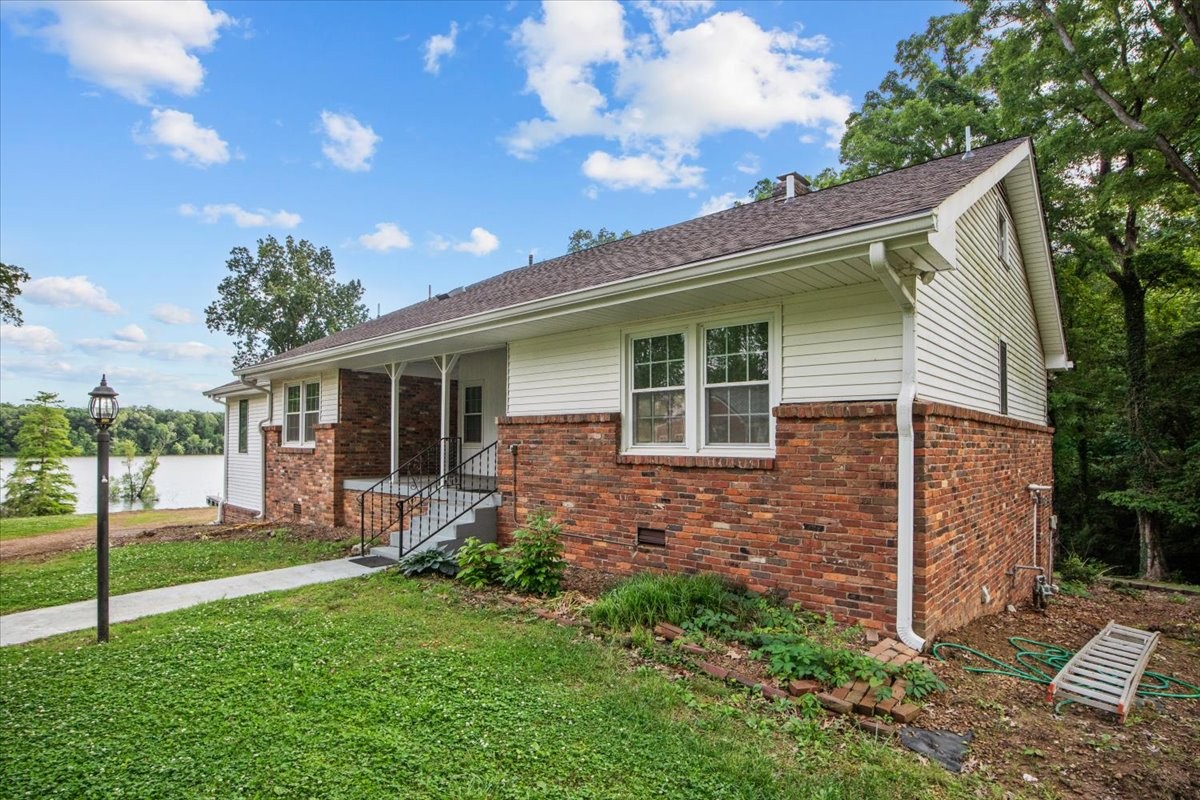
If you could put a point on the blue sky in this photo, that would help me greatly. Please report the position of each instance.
(425, 144)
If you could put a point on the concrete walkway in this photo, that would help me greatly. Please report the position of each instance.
(25, 626)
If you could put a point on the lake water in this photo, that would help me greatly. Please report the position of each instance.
(182, 481)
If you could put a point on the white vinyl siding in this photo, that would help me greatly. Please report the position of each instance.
(574, 373)
(964, 314)
(841, 344)
(244, 480)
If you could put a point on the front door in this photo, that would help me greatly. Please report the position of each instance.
(480, 402)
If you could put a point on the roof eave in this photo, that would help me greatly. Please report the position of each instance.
(715, 270)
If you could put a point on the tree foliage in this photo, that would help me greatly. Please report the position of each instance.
(136, 483)
(1109, 92)
(145, 427)
(11, 278)
(281, 297)
(582, 238)
(40, 483)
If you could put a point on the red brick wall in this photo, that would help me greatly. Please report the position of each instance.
(974, 512)
(233, 515)
(357, 446)
(816, 523)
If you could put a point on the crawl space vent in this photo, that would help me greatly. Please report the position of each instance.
(651, 537)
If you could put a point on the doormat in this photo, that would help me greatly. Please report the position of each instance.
(373, 561)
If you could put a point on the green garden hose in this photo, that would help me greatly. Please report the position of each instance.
(1040, 662)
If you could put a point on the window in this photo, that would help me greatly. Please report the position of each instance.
(1003, 377)
(473, 414)
(1002, 237)
(658, 390)
(706, 387)
(243, 425)
(737, 395)
(301, 413)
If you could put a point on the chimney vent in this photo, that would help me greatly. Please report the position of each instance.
(791, 184)
(968, 153)
(531, 259)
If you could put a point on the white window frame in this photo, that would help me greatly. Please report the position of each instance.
(1002, 233)
(693, 328)
(301, 440)
(482, 411)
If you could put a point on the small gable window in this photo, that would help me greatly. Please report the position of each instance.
(1002, 242)
(1003, 377)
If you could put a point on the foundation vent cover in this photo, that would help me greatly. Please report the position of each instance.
(651, 537)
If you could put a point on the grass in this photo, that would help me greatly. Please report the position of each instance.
(387, 687)
(646, 599)
(71, 576)
(21, 527)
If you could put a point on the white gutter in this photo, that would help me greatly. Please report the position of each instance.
(224, 459)
(904, 435)
(748, 263)
(262, 446)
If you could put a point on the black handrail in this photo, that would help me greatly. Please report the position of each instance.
(446, 499)
(377, 506)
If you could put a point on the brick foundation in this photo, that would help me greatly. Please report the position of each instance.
(304, 484)
(234, 515)
(816, 523)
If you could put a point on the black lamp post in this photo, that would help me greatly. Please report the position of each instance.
(103, 408)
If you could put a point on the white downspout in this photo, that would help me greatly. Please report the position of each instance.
(224, 461)
(904, 433)
(262, 445)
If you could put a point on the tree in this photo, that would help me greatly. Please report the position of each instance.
(136, 484)
(763, 190)
(11, 278)
(583, 239)
(40, 483)
(281, 298)
(1121, 213)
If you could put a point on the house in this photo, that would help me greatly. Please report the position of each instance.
(836, 395)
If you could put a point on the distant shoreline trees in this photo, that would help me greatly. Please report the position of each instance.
(145, 427)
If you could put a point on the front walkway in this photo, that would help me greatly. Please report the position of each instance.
(25, 626)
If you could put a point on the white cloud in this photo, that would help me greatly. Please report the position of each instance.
(172, 314)
(130, 48)
(644, 172)
(187, 142)
(749, 164)
(717, 203)
(348, 143)
(130, 333)
(670, 89)
(387, 236)
(36, 367)
(481, 243)
(241, 217)
(163, 351)
(74, 292)
(438, 47)
(30, 338)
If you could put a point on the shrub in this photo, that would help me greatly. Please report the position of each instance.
(648, 599)
(480, 564)
(1077, 569)
(533, 563)
(428, 562)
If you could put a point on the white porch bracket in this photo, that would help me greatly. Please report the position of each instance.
(394, 371)
(445, 365)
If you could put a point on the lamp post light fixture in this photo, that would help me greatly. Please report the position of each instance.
(103, 409)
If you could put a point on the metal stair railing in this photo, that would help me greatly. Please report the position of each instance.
(446, 499)
(378, 510)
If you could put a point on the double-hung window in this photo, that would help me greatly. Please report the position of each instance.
(473, 414)
(706, 387)
(301, 413)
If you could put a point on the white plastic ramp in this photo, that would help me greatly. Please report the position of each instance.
(1106, 671)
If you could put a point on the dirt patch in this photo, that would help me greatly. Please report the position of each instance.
(38, 548)
(1082, 752)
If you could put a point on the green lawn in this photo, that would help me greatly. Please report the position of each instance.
(385, 687)
(27, 583)
(21, 527)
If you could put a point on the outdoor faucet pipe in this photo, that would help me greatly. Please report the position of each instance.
(1036, 490)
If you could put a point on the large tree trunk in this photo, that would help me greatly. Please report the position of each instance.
(1150, 558)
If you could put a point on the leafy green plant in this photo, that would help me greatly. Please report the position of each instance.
(710, 620)
(1077, 569)
(534, 562)
(921, 680)
(432, 561)
(1073, 589)
(479, 563)
(648, 599)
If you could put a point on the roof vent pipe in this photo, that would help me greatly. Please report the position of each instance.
(791, 186)
(968, 153)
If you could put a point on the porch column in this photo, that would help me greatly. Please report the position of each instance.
(445, 365)
(394, 371)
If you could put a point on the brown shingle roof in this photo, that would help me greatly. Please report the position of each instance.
(894, 194)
